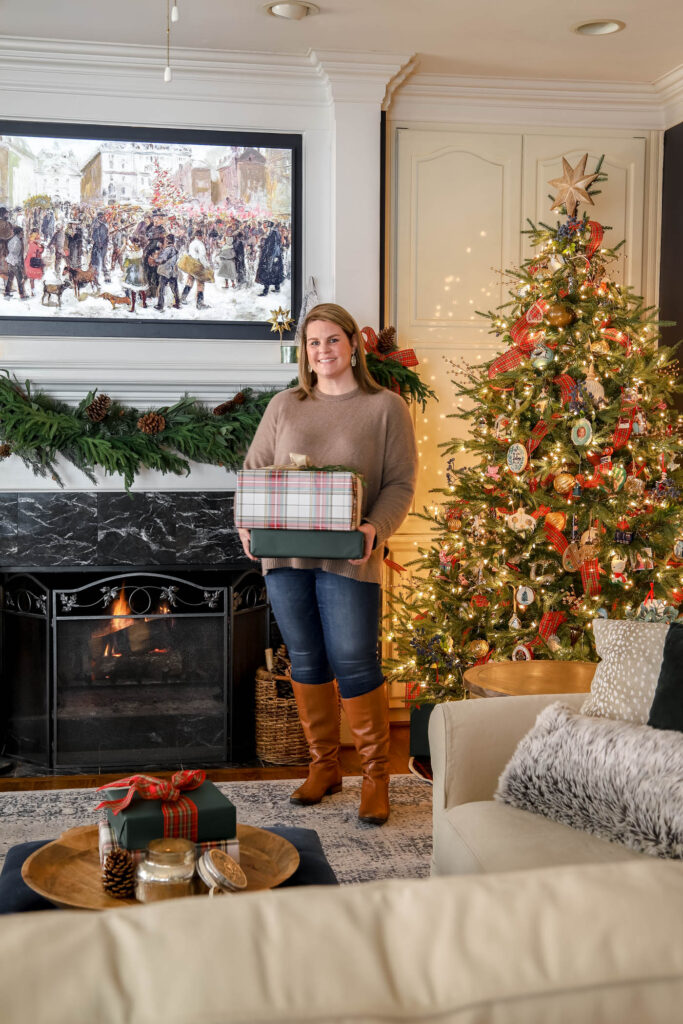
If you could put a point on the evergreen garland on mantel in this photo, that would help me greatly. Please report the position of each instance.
(101, 433)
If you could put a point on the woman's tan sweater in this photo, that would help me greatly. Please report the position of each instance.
(370, 433)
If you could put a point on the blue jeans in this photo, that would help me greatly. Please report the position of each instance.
(330, 625)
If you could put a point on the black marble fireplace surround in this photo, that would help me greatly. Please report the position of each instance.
(82, 539)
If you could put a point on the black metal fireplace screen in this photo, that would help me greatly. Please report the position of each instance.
(139, 669)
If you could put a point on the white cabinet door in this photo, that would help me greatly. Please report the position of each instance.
(457, 211)
(620, 205)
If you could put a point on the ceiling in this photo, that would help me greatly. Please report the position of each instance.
(485, 38)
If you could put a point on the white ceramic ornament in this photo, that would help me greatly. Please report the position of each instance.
(501, 428)
(521, 522)
(582, 432)
(678, 549)
(521, 653)
(554, 643)
(515, 622)
(594, 388)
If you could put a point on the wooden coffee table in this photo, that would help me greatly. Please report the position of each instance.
(516, 678)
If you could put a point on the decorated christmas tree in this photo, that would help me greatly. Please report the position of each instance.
(563, 503)
(166, 193)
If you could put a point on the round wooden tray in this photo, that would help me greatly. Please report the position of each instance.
(67, 872)
(515, 678)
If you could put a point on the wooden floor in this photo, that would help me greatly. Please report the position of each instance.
(398, 765)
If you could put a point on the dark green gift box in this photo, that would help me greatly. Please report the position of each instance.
(307, 543)
(143, 820)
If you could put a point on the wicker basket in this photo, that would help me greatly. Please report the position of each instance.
(279, 736)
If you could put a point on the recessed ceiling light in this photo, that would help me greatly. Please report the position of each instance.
(603, 27)
(294, 10)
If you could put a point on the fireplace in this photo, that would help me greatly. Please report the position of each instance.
(137, 668)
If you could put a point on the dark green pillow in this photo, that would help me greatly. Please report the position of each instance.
(667, 707)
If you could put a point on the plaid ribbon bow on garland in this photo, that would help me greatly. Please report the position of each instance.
(180, 812)
(524, 335)
(404, 356)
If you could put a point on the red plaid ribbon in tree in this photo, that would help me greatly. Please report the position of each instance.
(555, 537)
(590, 576)
(180, 812)
(550, 623)
(405, 356)
(566, 385)
(623, 429)
(480, 601)
(614, 334)
(536, 436)
(524, 336)
(597, 233)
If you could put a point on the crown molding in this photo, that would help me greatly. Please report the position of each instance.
(537, 102)
(357, 77)
(670, 90)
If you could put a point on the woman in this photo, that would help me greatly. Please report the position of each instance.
(134, 275)
(328, 609)
(33, 261)
(227, 268)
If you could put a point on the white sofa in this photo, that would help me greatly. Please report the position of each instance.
(470, 744)
(588, 943)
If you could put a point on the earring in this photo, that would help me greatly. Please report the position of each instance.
(308, 368)
(353, 359)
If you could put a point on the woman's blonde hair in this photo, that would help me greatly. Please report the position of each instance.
(343, 319)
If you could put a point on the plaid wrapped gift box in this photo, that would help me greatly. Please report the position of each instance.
(109, 842)
(298, 499)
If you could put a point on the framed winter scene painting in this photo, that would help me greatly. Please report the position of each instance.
(130, 232)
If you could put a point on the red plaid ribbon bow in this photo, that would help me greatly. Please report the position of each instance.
(597, 233)
(523, 334)
(550, 623)
(590, 576)
(566, 384)
(614, 334)
(537, 435)
(404, 356)
(180, 813)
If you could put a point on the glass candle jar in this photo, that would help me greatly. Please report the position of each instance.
(167, 870)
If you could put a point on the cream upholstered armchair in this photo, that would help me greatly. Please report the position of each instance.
(471, 742)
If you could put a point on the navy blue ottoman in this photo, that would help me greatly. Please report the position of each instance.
(16, 896)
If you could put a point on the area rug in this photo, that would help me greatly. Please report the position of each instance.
(358, 853)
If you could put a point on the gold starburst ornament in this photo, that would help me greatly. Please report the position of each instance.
(572, 186)
(281, 320)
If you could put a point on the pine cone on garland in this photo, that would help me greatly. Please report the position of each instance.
(152, 423)
(5, 451)
(230, 405)
(118, 874)
(386, 340)
(98, 408)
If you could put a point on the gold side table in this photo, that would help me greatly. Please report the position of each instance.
(517, 678)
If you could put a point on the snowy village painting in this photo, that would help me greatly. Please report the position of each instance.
(180, 233)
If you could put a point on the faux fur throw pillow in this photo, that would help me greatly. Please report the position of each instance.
(617, 780)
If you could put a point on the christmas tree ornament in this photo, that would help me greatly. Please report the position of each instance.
(577, 490)
(521, 653)
(600, 346)
(639, 424)
(619, 476)
(517, 458)
(521, 522)
(563, 483)
(478, 648)
(594, 388)
(557, 519)
(98, 408)
(635, 486)
(678, 549)
(572, 186)
(582, 433)
(542, 572)
(559, 315)
(524, 596)
(541, 357)
(453, 524)
(556, 262)
(554, 643)
(501, 428)
(588, 551)
(617, 568)
(571, 559)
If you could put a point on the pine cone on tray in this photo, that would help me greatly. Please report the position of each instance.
(152, 423)
(386, 340)
(5, 450)
(230, 405)
(118, 874)
(98, 408)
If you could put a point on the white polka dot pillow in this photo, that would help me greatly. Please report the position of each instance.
(625, 679)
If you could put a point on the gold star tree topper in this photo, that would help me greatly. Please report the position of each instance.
(572, 186)
(281, 320)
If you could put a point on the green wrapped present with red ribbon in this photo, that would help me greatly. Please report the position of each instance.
(143, 807)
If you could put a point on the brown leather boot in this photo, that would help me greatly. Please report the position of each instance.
(318, 706)
(368, 718)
